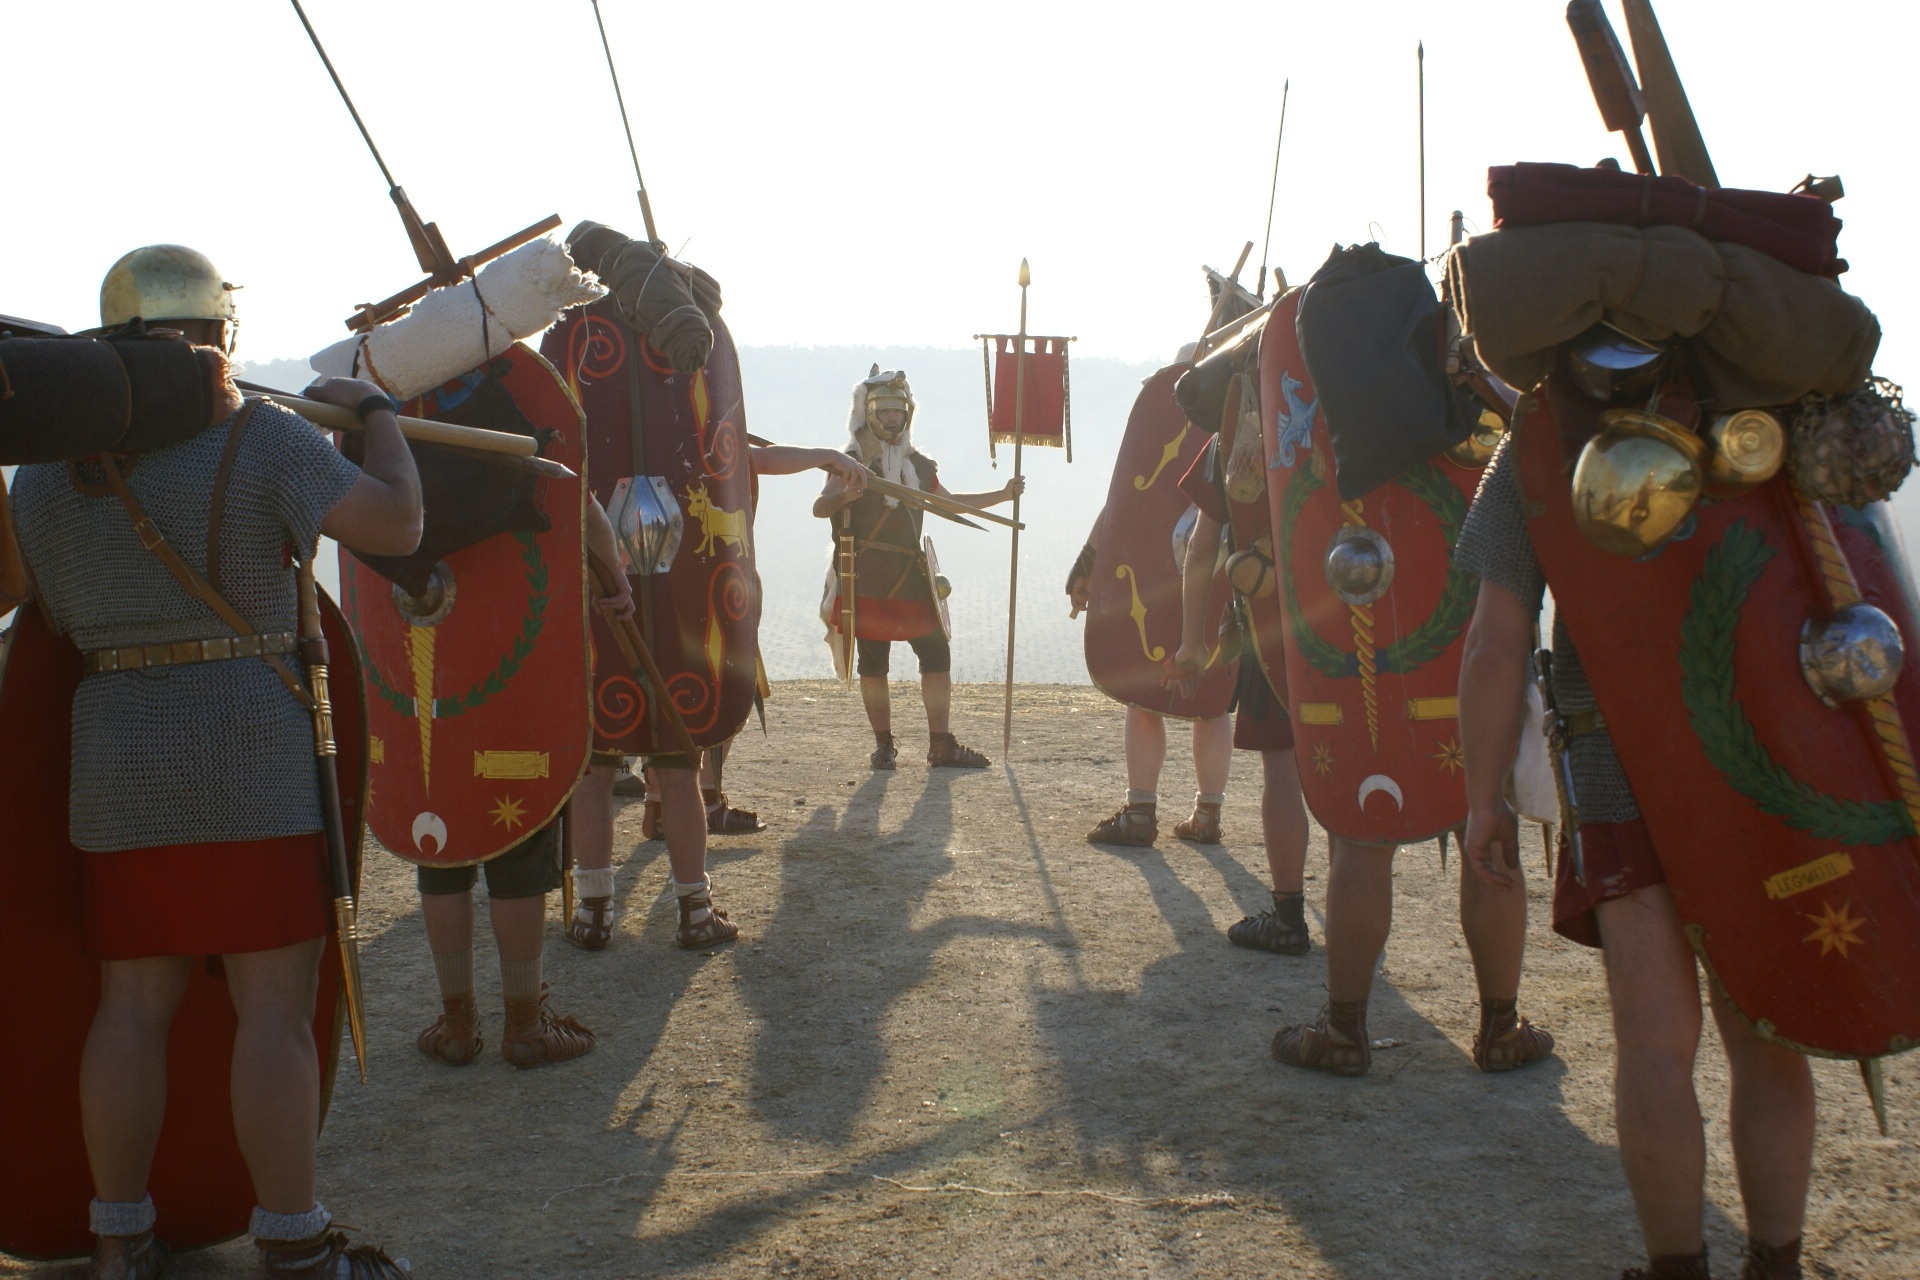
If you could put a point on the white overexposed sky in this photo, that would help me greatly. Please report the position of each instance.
(873, 173)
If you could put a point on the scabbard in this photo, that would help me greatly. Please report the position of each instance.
(313, 654)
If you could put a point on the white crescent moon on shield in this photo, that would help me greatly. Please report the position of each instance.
(429, 827)
(1372, 783)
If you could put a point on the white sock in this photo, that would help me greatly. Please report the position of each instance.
(597, 883)
(1143, 797)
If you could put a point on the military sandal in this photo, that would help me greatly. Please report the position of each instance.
(1772, 1261)
(1137, 825)
(702, 924)
(1335, 1043)
(328, 1256)
(137, 1257)
(1281, 928)
(534, 1035)
(1506, 1040)
(885, 754)
(454, 1038)
(591, 928)
(1676, 1266)
(725, 820)
(945, 752)
(1203, 827)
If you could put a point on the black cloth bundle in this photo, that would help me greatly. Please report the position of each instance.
(467, 500)
(669, 301)
(122, 392)
(1371, 328)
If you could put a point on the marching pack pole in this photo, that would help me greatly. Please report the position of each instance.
(313, 653)
(646, 207)
(1420, 57)
(1676, 134)
(1273, 189)
(1013, 572)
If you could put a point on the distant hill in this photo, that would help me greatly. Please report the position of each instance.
(801, 395)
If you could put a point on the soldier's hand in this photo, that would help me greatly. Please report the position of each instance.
(851, 473)
(619, 605)
(1190, 659)
(344, 391)
(1013, 489)
(1491, 846)
(1077, 595)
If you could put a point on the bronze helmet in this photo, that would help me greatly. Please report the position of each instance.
(162, 282)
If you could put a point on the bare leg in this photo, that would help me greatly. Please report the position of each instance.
(873, 692)
(1146, 747)
(1494, 920)
(1283, 825)
(519, 925)
(449, 920)
(1656, 1026)
(276, 1073)
(683, 814)
(1359, 915)
(1772, 1123)
(123, 1071)
(1212, 754)
(591, 814)
(936, 690)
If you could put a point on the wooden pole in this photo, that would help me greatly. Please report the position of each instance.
(1013, 572)
(1420, 56)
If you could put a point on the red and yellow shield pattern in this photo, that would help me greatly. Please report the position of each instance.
(1374, 676)
(199, 1182)
(1247, 524)
(478, 707)
(1133, 598)
(1785, 826)
(702, 617)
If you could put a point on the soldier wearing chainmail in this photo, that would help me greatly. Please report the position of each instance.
(194, 796)
(1611, 892)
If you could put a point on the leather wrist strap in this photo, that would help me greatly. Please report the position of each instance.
(196, 586)
(374, 404)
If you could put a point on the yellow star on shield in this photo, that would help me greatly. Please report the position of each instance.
(1836, 929)
(509, 813)
(1449, 755)
(1322, 759)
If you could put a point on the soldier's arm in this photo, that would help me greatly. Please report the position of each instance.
(786, 460)
(1196, 581)
(601, 546)
(833, 497)
(1493, 705)
(993, 497)
(381, 515)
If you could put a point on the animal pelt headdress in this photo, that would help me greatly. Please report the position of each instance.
(892, 460)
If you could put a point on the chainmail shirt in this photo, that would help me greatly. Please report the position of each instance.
(210, 751)
(1494, 547)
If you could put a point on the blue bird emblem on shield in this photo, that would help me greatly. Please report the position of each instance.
(1294, 423)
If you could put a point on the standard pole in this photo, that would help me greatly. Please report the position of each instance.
(1013, 572)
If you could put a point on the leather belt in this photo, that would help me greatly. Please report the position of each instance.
(1582, 723)
(182, 652)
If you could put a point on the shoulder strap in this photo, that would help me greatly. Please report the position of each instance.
(196, 586)
(216, 504)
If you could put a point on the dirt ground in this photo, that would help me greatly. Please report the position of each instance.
(954, 1039)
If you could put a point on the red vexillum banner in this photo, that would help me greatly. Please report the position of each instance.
(1048, 411)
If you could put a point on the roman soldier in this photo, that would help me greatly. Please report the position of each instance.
(1697, 474)
(1130, 588)
(194, 802)
(880, 577)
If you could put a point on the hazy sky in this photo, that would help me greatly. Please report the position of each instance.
(873, 173)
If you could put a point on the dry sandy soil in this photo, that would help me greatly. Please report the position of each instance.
(956, 1040)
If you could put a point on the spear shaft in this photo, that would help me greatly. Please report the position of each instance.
(646, 207)
(1273, 189)
(1420, 57)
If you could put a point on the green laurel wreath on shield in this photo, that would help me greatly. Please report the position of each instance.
(1442, 626)
(510, 662)
(1726, 735)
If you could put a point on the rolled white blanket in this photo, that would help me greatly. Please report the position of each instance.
(448, 332)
